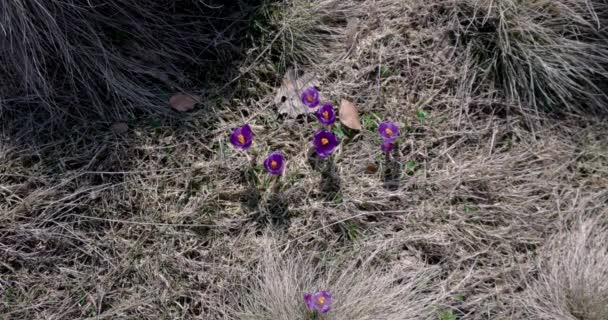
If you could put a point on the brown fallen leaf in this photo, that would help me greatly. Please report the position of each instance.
(183, 102)
(119, 127)
(371, 168)
(287, 98)
(349, 116)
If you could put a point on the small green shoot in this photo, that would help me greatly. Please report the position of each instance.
(312, 315)
(370, 122)
(9, 295)
(411, 167)
(447, 315)
(422, 115)
(385, 71)
(338, 199)
(460, 297)
(352, 231)
(469, 207)
(337, 130)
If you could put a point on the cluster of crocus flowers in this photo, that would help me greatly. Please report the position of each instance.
(324, 141)
(318, 301)
(389, 132)
(242, 138)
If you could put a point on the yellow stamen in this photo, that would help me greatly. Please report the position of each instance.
(324, 141)
(388, 132)
(321, 300)
(241, 138)
(310, 98)
(325, 114)
(273, 164)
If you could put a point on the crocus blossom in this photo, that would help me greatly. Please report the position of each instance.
(242, 137)
(310, 97)
(274, 163)
(325, 142)
(388, 131)
(326, 114)
(319, 301)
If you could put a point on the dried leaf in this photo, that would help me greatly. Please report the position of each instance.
(183, 102)
(119, 127)
(349, 116)
(371, 168)
(287, 98)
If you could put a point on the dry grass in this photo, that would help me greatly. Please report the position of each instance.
(162, 221)
(360, 290)
(546, 54)
(112, 57)
(573, 276)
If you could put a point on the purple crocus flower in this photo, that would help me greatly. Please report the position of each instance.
(388, 131)
(325, 142)
(387, 147)
(242, 137)
(310, 97)
(274, 163)
(320, 301)
(326, 114)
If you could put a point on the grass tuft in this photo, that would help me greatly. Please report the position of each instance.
(111, 57)
(573, 276)
(544, 54)
(359, 289)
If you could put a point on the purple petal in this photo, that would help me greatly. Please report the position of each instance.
(326, 299)
(325, 142)
(246, 131)
(277, 158)
(308, 300)
(247, 136)
(234, 138)
(324, 309)
(310, 97)
(388, 131)
(387, 147)
(326, 114)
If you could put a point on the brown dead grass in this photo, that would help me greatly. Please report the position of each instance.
(573, 268)
(162, 222)
(361, 290)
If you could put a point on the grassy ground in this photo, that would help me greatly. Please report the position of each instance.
(489, 210)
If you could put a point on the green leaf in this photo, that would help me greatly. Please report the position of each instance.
(460, 297)
(411, 166)
(370, 122)
(421, 115)
(337, 130)
(338, 199)
(447, 315)
(352, 231)
(385, 71)
(9, 295)
(468, 208)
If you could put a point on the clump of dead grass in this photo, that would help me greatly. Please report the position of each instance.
(572, 281)
(549, 55)
(360, 290)
(111, 57)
